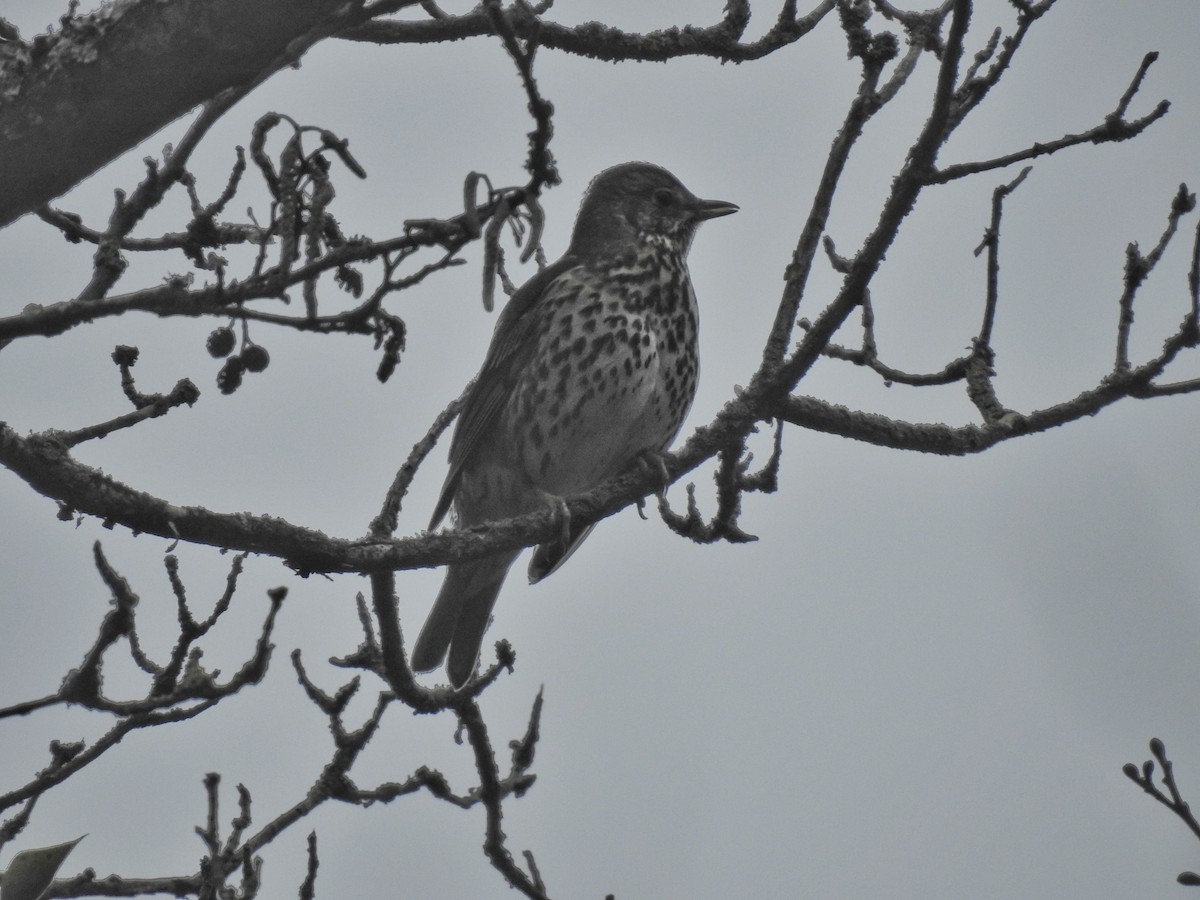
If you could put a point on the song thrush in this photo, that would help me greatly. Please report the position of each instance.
(593, 363)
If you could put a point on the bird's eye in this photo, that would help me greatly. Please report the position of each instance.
(663, 197)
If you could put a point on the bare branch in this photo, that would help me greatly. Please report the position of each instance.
(1114, 128)
(1139, 267)
(991, 240)
(865, 104)
(1172, 800)
(308, 889)
(184, 393)
(596, 41)
(220, 234)
(384, 524)
(540, 164)
(492, 791)
(48, 97)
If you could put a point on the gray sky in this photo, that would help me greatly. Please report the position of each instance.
(923, 679)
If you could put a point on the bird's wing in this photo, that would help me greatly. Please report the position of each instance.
(508, 355)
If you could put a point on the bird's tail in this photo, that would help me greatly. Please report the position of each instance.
(460, 616)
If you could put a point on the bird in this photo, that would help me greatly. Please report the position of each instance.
(592, 366)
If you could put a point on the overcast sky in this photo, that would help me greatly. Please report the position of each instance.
(922, 680)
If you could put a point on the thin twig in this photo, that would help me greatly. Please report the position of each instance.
(991, 240)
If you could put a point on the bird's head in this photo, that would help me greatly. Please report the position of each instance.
(637, 203)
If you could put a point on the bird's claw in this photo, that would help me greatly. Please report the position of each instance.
(653, 460)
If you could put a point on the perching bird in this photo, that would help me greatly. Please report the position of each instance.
(593, 364)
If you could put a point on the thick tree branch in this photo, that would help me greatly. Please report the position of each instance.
(947, 440)
(74, 100)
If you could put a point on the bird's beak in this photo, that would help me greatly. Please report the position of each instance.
(711, 209)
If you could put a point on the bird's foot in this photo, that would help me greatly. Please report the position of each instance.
(563, 513)
(654, 461)
(641, 508)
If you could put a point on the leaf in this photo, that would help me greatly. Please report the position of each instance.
(30, 872)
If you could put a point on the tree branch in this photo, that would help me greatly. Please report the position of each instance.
(598, 41)
(163, 59)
